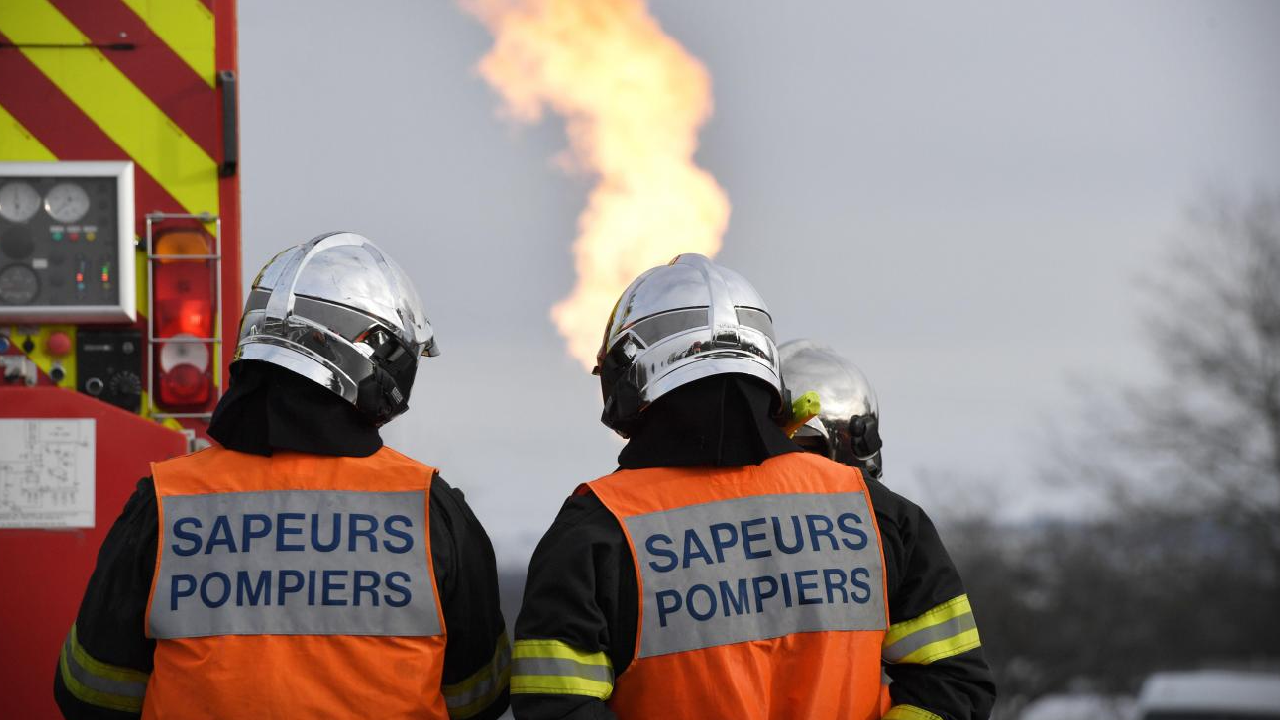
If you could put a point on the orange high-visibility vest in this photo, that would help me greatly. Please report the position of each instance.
(762, 591)
(294, 586)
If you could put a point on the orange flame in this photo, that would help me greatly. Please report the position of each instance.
(633, 100)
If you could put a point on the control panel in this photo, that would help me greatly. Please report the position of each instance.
(66, 242)
(110, 366)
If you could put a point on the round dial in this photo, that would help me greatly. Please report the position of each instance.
(124, 384)
(66, 202)
(19, 285)
(18, 201)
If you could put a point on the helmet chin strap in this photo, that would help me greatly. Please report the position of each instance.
(864, 435)
(379, 396)
(863, 447)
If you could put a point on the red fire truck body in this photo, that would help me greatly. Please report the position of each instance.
(119, 243)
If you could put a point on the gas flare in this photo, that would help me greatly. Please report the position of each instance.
(632, 100)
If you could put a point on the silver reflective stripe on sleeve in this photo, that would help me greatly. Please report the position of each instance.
(294, 562)
(97, 683)
(942, 632)
(557, 668)
(478, 692)
(913, 642)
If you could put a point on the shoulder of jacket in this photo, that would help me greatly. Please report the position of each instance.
(202, 455)
(389, 453)
(891, 507)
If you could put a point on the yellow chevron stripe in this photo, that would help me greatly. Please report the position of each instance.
(186, 26)
(114, 103)
(16, 144)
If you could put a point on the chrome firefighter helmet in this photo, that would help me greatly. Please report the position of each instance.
(681, 322)
(847, 429)
(340, 312)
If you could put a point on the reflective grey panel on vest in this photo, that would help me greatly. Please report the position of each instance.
(757, 568)
(294, 562)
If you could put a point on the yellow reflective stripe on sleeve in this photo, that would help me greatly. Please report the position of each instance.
(909, 712)
(101, 669)
(186, 26)
(16, 144)
(942, 632)
(559, 650)
(956, 606)
(554, 667)
(114, 103)
(97, 683)
(944, 649)
(478, 692)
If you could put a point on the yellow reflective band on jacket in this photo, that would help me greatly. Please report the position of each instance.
(945, 631)
(909, 712)
(469, 697)
(553, 667)
(97, 683)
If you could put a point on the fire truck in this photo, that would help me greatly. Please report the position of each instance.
(119, 285)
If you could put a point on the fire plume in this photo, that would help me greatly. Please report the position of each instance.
(632, 100)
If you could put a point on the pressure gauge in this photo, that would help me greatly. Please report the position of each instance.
(18, 201)
(66, 202)
(60, 219)
(19, 285)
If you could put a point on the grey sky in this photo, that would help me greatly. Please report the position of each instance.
(959, 197)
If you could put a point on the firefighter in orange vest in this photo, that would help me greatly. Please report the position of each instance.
(721, 572)
(301, 569)
(847, 430)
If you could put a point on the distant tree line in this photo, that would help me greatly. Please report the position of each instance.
(1183, 569)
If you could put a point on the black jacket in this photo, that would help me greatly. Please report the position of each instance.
(582, 589)
(266, 409)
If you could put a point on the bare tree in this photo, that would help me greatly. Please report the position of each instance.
(1209, 433)
(1182, 569)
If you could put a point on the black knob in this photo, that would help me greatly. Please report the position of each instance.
(57, 373)
(93, 385)
(28, 345)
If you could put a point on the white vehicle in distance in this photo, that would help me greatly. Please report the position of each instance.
(1210, 695)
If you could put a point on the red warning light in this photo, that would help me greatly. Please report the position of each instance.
(184, 315)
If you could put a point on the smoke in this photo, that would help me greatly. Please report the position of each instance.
(632, 100)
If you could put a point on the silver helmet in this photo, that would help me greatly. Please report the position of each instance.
(847, 429)
(341, 313)
(681, 322)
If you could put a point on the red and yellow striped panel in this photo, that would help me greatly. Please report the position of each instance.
(127, 80)
(154, 103)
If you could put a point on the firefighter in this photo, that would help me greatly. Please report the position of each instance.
(721, 572)
(302, 568)
(847, 429)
